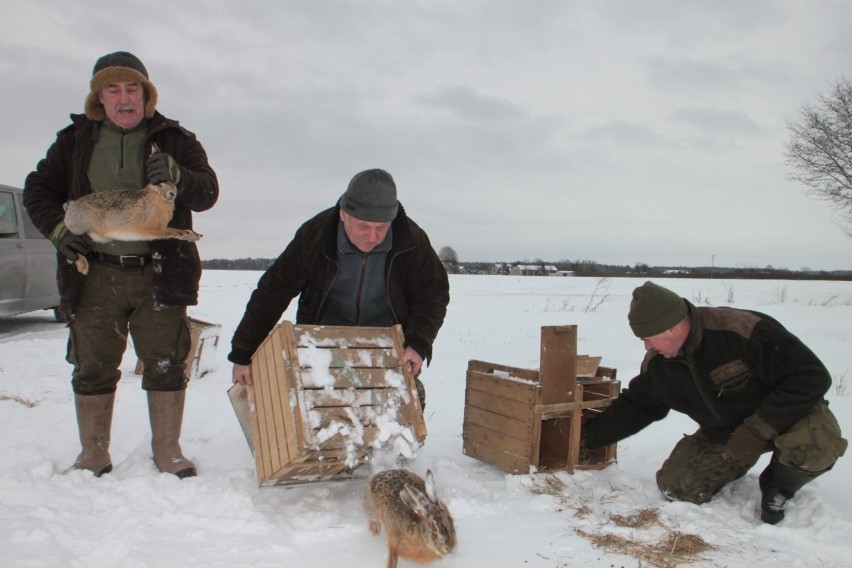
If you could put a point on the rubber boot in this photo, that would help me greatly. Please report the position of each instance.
(94, 421)
(779, 483)
(165, 409)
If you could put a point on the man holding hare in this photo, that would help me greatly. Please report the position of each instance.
(142, 287)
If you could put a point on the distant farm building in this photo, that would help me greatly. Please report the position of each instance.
(533, 270)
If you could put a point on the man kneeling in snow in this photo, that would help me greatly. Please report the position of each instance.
(752, 387)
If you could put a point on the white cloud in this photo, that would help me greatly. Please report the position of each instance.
(546, 129)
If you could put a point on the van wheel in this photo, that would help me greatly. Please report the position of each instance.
(59, 316)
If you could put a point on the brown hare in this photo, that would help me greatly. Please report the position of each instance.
(125, 215)
(419, 527)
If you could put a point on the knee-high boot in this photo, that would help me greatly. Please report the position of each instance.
(94, 421)
(165, 409)
(778, 483)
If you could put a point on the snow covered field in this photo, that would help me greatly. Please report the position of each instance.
(138, 518)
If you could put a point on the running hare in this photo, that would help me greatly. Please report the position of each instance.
(419, 527)
(125, 215)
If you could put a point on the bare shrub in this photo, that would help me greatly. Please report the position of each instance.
(841, 384)
(600, 294)
(779, 295)
(699, 298)
(563, 306)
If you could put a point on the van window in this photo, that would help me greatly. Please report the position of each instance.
(30, 230)
(8, 217)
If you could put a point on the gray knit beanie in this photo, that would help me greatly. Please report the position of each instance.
(117, 67)
(654, 309)
(371, 196)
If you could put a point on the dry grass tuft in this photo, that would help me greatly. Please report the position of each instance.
(674, 549)
(547, 485)
(640, 519)
(19, 400)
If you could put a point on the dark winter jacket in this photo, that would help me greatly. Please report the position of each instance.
(62, 176)
(418, 290)
(735, 367)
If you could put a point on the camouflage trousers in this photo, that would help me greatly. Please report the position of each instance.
(697, 468)
(114, 301)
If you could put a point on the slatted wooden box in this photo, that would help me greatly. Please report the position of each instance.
(524, 420)
(204, 339)
(324, 398)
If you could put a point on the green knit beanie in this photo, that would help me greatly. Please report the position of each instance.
(654, 309)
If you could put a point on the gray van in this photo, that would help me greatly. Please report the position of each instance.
(27, 261)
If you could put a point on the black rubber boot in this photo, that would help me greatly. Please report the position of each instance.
(779, 483)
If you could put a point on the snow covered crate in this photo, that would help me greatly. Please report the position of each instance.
(204, 338)
(524, 420)
(324, 398)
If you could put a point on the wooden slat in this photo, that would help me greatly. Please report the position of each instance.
(238, 394)
(339, 442)
(551, 410)
(607, 372)
(381, 358)
(520, 429)
(587, 366)
(296, 418)
(353, 378)
(574, 435)
(497, 439)
(324, 417)
(517, 390)
(499, 459)
(491, 368)
(281, 394)
(342, 336)
(276, 409)
(558, 372)
(351, 397)
(268, 458)
(414, 410)
(499, 405)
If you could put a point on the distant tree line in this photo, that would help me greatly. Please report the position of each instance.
(583, 268)
(237, 263)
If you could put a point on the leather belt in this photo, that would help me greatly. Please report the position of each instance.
(128, 261)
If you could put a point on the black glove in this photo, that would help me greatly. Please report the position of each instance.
(161, 167)
(745, 446)
(71, 245)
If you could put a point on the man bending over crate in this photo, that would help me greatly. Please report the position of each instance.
(752, 387)
(362, 262)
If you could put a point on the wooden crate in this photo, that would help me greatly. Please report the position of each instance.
(204, 338)
(521, 420)
(324, 398)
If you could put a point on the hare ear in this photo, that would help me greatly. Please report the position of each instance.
(414, 500)
(431, 492)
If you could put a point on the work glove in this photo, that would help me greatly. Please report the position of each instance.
(69, 244)
(745, 446)
(161, 167)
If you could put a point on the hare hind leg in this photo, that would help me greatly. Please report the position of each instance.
(82, 264)
(172, 233)
(393, 558)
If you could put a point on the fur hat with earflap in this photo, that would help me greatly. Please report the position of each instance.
(118, 67)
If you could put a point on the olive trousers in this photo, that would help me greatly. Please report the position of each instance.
(115, 301)
(697, 468)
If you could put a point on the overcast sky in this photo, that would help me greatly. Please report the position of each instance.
(620, 132)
